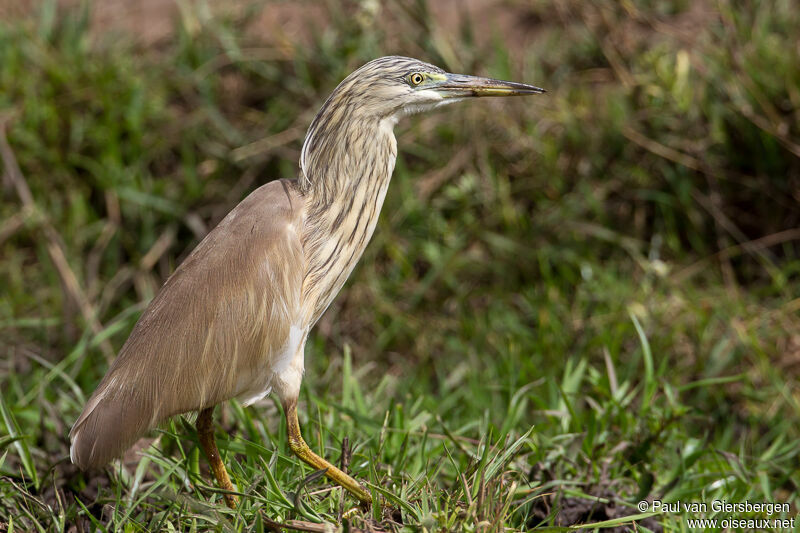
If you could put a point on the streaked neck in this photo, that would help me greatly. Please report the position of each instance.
(346, 166)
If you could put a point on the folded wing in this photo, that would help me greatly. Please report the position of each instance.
(212, 332)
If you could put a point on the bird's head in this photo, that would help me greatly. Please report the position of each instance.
(357, 118)
(394, 86)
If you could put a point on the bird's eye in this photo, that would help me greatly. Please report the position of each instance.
(416, 78)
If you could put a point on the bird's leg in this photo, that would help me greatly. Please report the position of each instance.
(301, 450)
(205, 431)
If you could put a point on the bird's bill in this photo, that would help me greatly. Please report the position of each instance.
(462, 86)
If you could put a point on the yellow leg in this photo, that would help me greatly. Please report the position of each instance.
(301, 450)
(205, 431)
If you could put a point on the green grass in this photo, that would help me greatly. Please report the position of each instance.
(572, 303)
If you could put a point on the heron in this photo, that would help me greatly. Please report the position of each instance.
(233, 319)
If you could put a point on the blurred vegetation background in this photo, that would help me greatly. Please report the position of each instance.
(571, 303)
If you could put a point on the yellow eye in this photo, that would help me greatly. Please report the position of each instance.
(416, 78)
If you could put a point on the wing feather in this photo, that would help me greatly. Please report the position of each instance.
(215, 328)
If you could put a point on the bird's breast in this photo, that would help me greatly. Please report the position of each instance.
(350, 177)
(336, 242)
